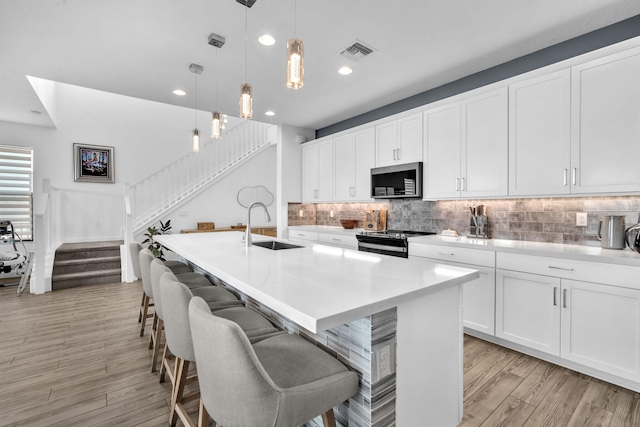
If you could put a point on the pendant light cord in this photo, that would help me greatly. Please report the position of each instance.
(196, 95)
(246, 30)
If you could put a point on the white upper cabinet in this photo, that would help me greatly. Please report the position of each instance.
(484, 140)
(317, 172)
(465, 146)
(353, 159)
(605, 135)
(399, 141)
(540, 135)
(442, 152)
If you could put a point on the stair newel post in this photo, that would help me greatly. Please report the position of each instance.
(125, 264)
(42, 237)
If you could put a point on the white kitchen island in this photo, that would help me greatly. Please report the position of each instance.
(369, 310)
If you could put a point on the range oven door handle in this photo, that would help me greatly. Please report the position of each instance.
(382, 247)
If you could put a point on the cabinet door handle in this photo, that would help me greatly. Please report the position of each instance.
(394, 154)
(555, 295)
(564, 298)
(564, 180)
(560, 268)
(462, 186)
(445, 253)
(573, 176)
(457, 184)
(398, 153)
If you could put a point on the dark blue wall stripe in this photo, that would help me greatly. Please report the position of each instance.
(594, 40)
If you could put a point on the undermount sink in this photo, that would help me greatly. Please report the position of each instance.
(275, 246)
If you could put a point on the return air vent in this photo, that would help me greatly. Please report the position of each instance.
(356, 51)
(247, 3)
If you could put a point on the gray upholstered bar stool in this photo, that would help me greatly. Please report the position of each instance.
(280, 381)
(214, 295)
(175, 298)
(175, 266)
(191, 279)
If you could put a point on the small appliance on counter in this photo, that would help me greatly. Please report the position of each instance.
(479, 226)
(375, 220)
(632, 236)
(611, 232)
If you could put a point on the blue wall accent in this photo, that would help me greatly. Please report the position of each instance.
(594, 40)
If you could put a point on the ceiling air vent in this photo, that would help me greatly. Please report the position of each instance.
(356, 51)
(247, 3)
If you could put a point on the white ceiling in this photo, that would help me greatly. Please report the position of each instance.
(143, 48)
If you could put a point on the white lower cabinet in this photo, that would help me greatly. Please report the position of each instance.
(478, 299)
(593, 324)
(527, 310)
(478, 296)
(601, 326)
(333, 239)
(342, 240)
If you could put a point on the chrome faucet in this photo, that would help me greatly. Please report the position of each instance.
(247, 232)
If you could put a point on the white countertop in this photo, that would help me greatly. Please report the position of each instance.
(317, 287)
(578, 252)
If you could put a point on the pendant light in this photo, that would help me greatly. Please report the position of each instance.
(216, 125)
(196, 69)
(295, 57)
(246, 101)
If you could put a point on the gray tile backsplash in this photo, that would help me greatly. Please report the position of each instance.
(551, 220)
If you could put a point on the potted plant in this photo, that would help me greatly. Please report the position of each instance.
(155, 247)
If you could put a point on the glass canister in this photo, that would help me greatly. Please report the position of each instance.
(632, 236)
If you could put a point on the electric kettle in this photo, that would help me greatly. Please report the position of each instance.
(632, 236)
(611, 232)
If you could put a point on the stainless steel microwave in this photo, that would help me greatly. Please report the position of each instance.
(397, 181)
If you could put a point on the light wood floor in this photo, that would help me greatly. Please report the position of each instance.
(74, 357)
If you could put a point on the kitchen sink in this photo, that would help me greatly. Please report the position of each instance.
(275, 246)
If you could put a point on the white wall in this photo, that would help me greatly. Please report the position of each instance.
(218, 203)
(145, 136)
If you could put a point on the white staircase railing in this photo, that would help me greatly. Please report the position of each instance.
(164, 190)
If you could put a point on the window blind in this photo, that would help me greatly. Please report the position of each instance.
(16, 189)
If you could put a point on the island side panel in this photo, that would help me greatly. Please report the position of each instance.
(429, 360)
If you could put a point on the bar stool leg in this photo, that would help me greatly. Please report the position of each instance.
(145, 313)
(329, 419)
(203, 416)
(144, 296)
(156, 344)
(164, 365)
(154, 328)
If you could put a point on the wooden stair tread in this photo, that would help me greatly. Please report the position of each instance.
(86, 260)
(85, 246)
(85, 274)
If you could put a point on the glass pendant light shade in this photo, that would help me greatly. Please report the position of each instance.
(295, 63)
(216, 126)
(196, 141)
(246, 102)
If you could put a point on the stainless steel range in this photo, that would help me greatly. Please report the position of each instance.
(388, 242)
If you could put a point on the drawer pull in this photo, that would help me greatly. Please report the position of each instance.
(564, 298)
(337, 240)
(444, 253)
(560, 268)
(555, 294)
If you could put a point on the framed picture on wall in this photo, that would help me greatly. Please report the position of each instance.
(93, 163)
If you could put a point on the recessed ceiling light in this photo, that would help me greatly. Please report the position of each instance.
(266, 40)
(179, 92)
(345, 71)
(269, 113)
